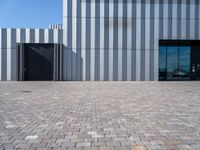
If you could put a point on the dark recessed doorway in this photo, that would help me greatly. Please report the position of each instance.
(39, 62)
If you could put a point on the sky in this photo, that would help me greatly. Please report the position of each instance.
(30, 13)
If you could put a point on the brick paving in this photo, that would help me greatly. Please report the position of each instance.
(99, 115)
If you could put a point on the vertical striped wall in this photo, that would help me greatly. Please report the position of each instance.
(119, 39)
(8, 52)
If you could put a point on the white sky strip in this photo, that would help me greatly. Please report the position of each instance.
(46, 36)
(37, 35)
(74, 27)
(92, 58)
(138, 39)
(111, 27)
(102, 5)
(83, 40)
(9, 59)
(129, 38)
(156, 42)
(147, 39)
(120, 35)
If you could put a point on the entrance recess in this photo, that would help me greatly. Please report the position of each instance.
(39, 62)
(179, 60)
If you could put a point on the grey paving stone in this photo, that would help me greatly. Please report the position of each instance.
(100, 115)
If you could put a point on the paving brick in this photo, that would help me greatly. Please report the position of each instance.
(85, 144)
(100, 115)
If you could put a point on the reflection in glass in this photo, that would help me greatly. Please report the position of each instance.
(184, 63)
(162, 63)
(172, 63)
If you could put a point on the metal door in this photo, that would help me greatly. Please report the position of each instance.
(39, 62)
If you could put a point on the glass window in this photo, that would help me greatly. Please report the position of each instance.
(172, 63)
(184, 63)
(162, 63)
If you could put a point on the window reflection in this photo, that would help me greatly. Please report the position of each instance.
(162, 62)
(174, 63)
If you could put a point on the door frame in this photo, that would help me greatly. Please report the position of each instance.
(57, 62)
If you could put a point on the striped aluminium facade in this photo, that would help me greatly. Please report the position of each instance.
(8, 50)
(109, 39)
(119, 39)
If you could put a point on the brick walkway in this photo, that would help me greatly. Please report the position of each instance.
(100, 115)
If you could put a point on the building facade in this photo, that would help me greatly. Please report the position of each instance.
(119, 40)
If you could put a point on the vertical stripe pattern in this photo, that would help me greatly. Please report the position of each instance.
(8, 51)
(109, 39)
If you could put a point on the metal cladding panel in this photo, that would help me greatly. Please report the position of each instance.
(3, 35)
(0, 64)
(10, 37)
(119, 40)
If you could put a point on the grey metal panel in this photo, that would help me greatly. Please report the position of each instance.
(69, 63)
(151, 76)
(69, 33)
(120, 64)
(78, 44)
(124, 44)
(106, 66)
(4, 65)
(147, 61)
(97, 40)
(65, 63)
(3, 38)
(138, 65)
(161, 19)
(170, 19)
(188, 20)
(13, 64)
(115, 43)
(50, 36)
(0, 62)
(31, 36)
(143, 71)
(133, 65)
(21, 35)
(0, 38)
(78, 65)
(69, 8)
(196, 19)
(41, 35)
(87, 64)
(60, 36)
(74, 65)
(192, 29)
(115, 65)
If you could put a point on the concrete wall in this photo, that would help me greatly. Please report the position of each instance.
(119, 39)
(8, 52)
